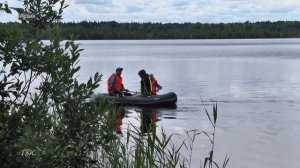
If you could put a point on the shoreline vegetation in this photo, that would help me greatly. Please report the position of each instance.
(116, 31)
(45, 120)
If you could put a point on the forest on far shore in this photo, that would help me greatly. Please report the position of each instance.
(113, 30)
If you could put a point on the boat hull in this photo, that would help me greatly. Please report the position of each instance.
(167, 99)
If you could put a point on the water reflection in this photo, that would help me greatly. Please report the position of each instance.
(146, 117)
(116, 117)
(149, 117)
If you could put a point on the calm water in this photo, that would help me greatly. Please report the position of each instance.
(256, 84)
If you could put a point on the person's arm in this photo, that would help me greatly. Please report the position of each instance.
(158, 86)
(123, 89)
(142, 86)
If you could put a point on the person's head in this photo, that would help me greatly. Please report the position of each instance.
(142, 73)
(151, 76)
(119, 71)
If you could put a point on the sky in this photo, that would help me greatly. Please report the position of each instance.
(175, 11)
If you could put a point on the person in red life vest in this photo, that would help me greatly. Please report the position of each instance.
(146, 86)
(155, 86)
(116, 118)
(115, 84)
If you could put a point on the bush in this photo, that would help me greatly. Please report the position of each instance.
(44, 119)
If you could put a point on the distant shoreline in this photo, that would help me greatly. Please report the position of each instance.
(190, 39)
(171, 31)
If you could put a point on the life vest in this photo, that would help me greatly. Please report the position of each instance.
(117, 85)
(153, 117)
(153, 85)
(146, 85)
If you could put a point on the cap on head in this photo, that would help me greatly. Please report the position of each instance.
(119, 69)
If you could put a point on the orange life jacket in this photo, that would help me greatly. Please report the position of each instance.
(154, 83)
(117, 85)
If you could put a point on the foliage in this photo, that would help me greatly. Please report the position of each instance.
(45, 120)
(4, 7)
(114, 30)
(210, 159)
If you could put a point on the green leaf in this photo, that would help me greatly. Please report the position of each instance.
(226, 160)
(215, 111)
(28, 130)
(209, 117)
(18, 88)
(208, 136)
(96, 76)
(75, 70)
(215, 163)
(205, 161)
(89, 83)
(67, 45)
(19, 10)
(7, 10)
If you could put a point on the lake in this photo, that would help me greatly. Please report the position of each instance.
(255, 82)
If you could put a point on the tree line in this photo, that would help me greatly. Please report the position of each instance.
(113, 30)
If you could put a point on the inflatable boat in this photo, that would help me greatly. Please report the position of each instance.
(167, 99)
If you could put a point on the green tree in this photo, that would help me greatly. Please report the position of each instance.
(45, 120)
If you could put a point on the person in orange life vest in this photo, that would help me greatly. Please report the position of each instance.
(115, 84)
(116, 118)
(155, 86)
(146, 86)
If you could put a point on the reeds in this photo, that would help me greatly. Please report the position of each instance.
(152, 150)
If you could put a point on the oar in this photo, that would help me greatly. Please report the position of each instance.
(131, 92)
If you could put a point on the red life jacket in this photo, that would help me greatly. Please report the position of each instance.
(154, 83)
(117, 85)
(153, 117)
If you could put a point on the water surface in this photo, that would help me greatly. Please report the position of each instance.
(255, 82)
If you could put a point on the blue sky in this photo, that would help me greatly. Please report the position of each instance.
(179, 11)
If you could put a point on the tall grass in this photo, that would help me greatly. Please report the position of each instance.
(153, 150)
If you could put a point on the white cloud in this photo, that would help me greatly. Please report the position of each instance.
(93, 2)
(134, 8)
(178, 10)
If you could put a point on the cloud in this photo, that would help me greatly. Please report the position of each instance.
(92, 7)
(211, 11)
(100, 9)
(181, 3)
(282, 10)
(134, 8)
(93, 2)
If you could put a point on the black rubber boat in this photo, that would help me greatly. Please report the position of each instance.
(168, 99)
